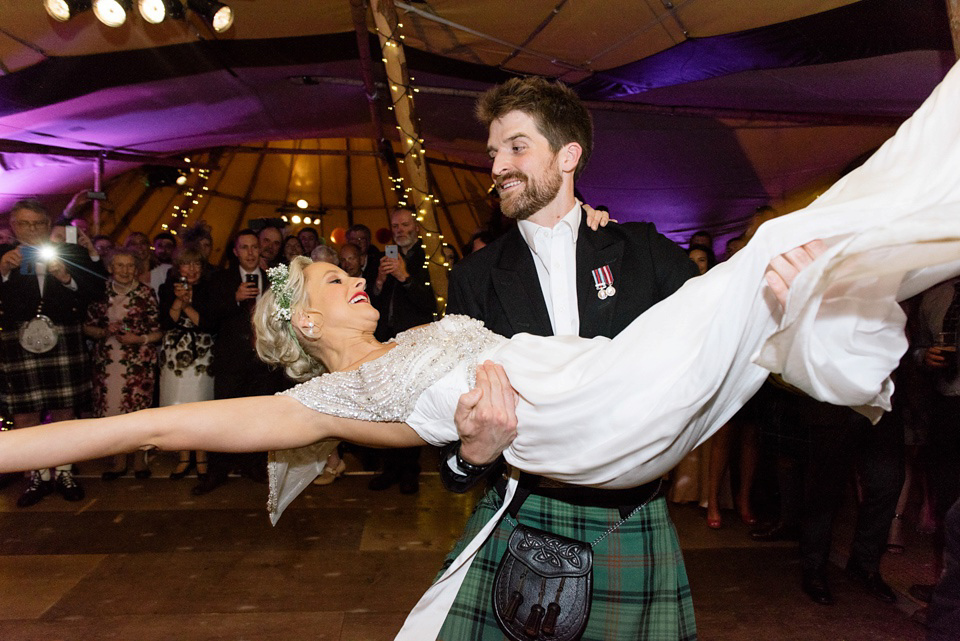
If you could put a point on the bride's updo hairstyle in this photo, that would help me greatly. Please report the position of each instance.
(277, 340)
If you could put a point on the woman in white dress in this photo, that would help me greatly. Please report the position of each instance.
(891, 229)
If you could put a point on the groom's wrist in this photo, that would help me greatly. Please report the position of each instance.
(466, 466)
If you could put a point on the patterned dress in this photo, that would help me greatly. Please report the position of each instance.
(124, 375)
(186, 355)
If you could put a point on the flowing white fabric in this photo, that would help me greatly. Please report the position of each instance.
(622, 412)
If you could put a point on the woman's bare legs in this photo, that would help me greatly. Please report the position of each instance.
(719, 457)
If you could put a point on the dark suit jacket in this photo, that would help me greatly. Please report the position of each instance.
(236, 368)
(20, 294)
(373, 266)
(499, 285)
(408, 304)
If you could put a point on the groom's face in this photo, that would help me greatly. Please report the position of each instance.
(525, 168)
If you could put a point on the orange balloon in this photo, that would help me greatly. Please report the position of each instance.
(339, 235)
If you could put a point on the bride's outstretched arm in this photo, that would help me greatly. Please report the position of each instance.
(235, 425)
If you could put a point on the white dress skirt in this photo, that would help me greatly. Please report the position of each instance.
(619, 413)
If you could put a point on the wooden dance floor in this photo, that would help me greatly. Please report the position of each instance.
(147, 561)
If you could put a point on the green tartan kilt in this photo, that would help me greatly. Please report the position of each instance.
(640, 586)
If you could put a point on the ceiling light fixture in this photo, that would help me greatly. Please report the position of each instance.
(156, 11)
(112, 13)
(218, 15)
(63, 10)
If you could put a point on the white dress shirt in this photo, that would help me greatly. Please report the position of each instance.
(554, 252)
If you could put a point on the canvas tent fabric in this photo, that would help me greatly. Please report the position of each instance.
(703, 110)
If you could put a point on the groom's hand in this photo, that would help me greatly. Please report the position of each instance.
(784, 268)
(486, 416)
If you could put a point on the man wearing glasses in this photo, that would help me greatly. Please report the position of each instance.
(44, 291)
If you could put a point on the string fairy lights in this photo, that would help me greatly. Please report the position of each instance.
(191, 197)
(417, 195)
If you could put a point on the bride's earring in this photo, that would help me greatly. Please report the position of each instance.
(310, 329)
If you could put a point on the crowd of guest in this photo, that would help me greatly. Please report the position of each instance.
(784, 461)
(94, 327)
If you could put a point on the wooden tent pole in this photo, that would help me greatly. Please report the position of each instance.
(401, 93)
(245, 202)
(349, 190)
(97, 187)
(358, 9)
(953, 10)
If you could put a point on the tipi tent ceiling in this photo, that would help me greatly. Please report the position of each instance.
(703, 109)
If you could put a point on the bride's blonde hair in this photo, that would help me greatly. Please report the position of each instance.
(277, 341)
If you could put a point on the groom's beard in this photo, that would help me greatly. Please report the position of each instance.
(524, 201)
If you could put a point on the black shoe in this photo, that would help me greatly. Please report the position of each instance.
(113, 475)
(922, 592)
(36, 491)
(409, 485)
(142, 474)
(382, 481)
(188, 467)
(814, 585)
(208, 483)
(872, 582)
(68, 486)
(777, 532)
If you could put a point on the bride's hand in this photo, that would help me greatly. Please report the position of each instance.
(597, 218)
(783, 269)
(486, 416)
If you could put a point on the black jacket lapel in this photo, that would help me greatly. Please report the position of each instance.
(517, 286)
(594, 250)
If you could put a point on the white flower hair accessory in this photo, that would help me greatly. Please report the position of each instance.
(279, 276)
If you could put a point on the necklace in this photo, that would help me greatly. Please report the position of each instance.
(123, 292)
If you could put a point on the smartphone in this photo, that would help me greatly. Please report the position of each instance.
(71, 233)
(252, 278)
(393, 251)
(28, 259)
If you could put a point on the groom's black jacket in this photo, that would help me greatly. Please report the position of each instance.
(499, 286)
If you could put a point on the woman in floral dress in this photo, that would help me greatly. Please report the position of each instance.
(125, 329)
(187, 348)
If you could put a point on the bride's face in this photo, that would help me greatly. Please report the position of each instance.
(338, 298)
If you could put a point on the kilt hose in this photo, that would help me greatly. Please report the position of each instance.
(55, 380)
(640, 587)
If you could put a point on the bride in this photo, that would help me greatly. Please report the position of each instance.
(891, 229)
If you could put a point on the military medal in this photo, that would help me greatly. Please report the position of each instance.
(603, 281)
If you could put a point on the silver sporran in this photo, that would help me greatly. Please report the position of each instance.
(39, 335)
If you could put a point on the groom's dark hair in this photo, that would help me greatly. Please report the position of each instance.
(558, 112)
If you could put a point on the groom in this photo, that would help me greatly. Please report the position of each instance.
(553, 275)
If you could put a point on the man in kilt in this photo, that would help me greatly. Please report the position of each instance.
(47, 381)
(553, 274)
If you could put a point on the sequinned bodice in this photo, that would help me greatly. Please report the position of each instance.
(387, 388)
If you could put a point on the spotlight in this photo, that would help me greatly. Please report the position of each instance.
(156, 11)
(112, 13)
(181, 180)
(217, 14)
(302, 204)
(63, 10)
(307, 220)
(295, 219)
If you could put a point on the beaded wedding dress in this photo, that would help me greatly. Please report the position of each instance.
(618, 413)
